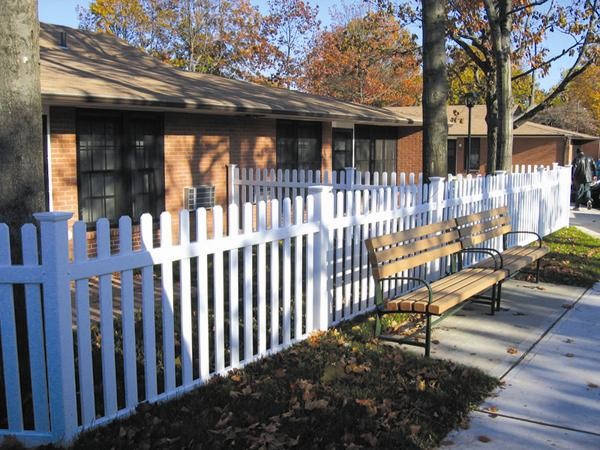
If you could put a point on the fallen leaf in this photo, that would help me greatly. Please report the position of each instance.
(566, 305)
(422, 385)
(483, 438)
(369, 404)
(568, 341)
(592, 385)
(512, 350)
(414, 429)
(569, 355)
(237, 378)
(280, 373)
(492, 409)
(316, 404)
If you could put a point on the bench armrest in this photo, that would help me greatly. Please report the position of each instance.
(379, 290)
(539, 238)
(489, 251)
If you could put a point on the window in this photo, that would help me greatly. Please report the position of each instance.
(375, 148)
(472, 159)
(342, 149)
(120, 161)
(452, 156)
(298, 145)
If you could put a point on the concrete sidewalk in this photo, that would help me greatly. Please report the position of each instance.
(587, 220)
(545, 347)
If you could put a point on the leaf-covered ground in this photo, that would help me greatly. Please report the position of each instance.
(574, 258)
(336, 390)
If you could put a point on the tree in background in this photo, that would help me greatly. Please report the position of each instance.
(221, 37)
(496, 35)
(291, 26)
(578, 108)
(435, 90)
(370, 59)
(21, 156)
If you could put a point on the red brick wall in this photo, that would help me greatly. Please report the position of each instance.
(540, 151)
(198, 149)
(64, 160)
(410, 150)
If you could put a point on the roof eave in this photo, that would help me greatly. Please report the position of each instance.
(57, 99)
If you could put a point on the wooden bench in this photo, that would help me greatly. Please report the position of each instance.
(393, 254)
(476, 229)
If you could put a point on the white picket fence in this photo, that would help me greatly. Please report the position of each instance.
(172, 316)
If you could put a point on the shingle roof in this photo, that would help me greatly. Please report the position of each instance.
(458, 123)
(101, 69)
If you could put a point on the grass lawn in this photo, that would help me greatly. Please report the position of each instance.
(336, 390)
(574, 258)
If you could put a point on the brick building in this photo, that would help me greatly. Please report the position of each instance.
(126, 133)
(533, 143)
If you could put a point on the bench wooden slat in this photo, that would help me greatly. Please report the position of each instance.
(516, 258)
(482, 227)
(393, 253)
(451, 300)
(414, 233)
(410, 262)
(465, 278)
(472, 240)
(483, 215)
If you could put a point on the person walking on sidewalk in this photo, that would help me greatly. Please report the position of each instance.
(583, 174)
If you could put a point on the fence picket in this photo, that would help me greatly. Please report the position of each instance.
(128, 316)
(287, 273)
(261, 267)
(234, 304)
(218, 295)
(185, 282)
(148, 319)
(203, 340)
(298, 219)
(248, 325)
(168, 305)
(107, 332)
(8, 336)
(35, 336)
(274, 271)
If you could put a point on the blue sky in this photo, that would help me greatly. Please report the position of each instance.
(63, 12)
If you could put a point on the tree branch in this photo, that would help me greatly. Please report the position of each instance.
(529, 5)
(546, 63)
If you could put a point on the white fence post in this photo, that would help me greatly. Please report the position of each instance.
(323, 248)
(350, 177)
(231, 186)
(436, 198)
(58, 324)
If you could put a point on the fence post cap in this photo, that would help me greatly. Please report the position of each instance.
(499, 172)
(436, 179)
(54, 216)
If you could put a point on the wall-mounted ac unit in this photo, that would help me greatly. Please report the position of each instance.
(195, 197)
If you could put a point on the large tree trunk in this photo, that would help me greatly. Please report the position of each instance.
(501, 27)
(491, 120)
(21, 155)
(435, 90)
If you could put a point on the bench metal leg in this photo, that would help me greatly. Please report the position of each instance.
(499, 295)
(493, 300)
(428, 336)
(537, 271)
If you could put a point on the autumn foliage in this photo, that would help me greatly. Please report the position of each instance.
(370, 60)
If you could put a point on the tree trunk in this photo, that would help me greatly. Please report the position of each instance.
(501, 27)
(435, 90)
(491, 119)
(21, 154)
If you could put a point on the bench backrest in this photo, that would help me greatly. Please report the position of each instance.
(397, 252)
(479, 227)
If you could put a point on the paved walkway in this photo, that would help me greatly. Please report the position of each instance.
(587, 220)
(545, 346)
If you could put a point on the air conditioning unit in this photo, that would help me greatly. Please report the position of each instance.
(195, 197)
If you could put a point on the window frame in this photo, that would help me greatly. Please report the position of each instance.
(294, 129)
(375, 134)
(125, 168)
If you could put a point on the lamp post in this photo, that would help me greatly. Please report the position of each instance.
(470, 102)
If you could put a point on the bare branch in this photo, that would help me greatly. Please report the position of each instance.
(529, 5)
